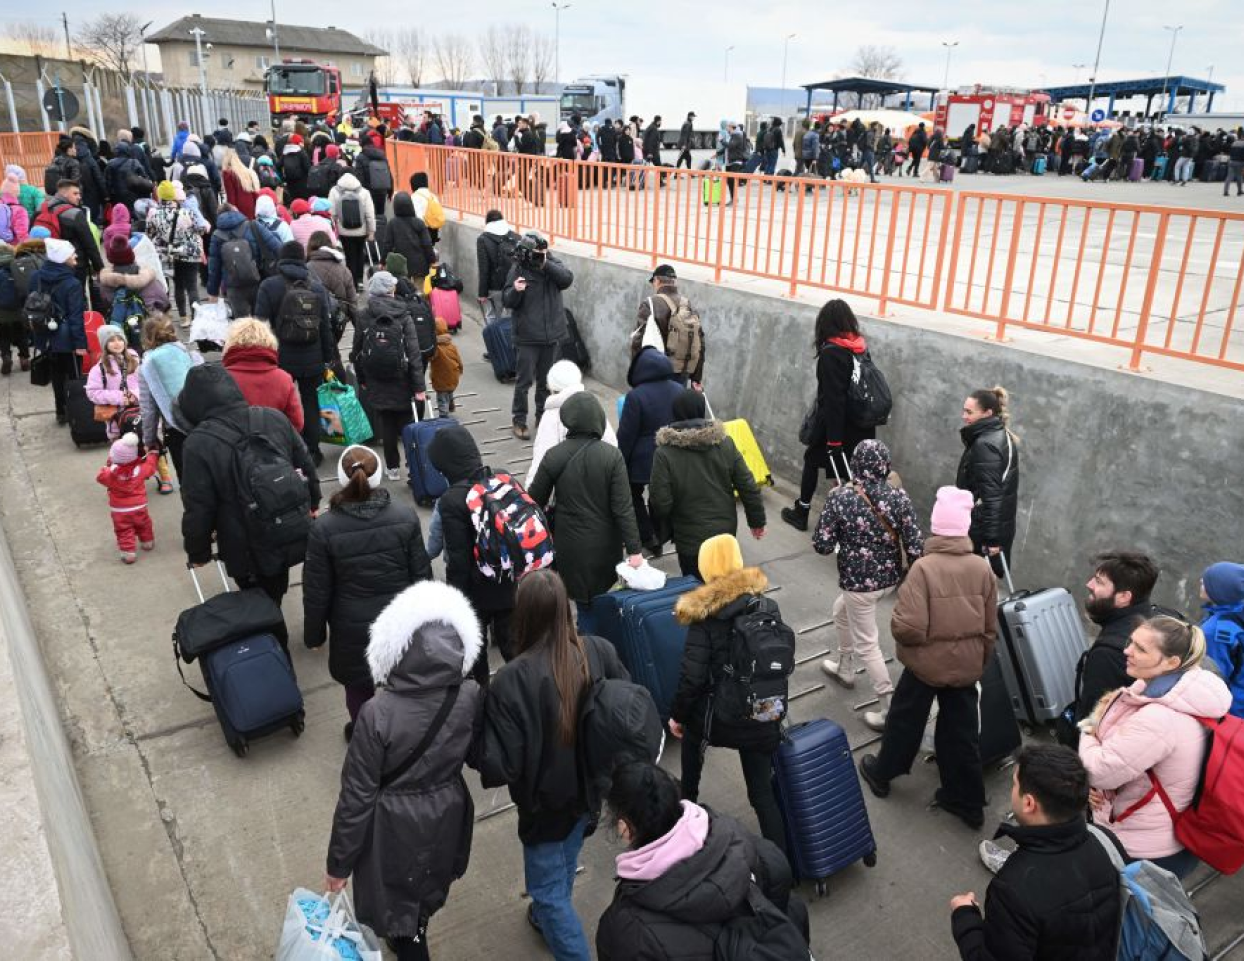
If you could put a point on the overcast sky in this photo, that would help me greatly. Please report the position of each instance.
(1014, 42)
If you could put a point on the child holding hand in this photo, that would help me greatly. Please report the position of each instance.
(126, 475)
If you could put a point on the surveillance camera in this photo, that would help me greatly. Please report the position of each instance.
(209, 45)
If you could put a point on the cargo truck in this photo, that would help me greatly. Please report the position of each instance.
(599, 98)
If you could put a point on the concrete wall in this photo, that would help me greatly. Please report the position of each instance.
(1108, 459)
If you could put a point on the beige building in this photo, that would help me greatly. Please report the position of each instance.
(240, 52)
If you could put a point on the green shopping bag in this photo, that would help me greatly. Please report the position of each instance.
(342, 419)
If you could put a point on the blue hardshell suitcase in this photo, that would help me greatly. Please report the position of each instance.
(818, 790)
(426, 482)
(253, 690)
(499, 342)
(641, 627)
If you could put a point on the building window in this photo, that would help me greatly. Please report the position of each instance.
(356, 69)
(263, 63)
(194, 57)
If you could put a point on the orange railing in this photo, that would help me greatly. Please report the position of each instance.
(30, 151)
(1152, 280)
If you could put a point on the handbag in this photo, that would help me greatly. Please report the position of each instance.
(41, 370)
(904, 565)
(807, 429)
(652, 331)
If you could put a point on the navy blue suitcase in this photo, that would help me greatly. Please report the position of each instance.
(499, 342)
(426, 482)
(819, 793)
(641, 627)
(253, 690)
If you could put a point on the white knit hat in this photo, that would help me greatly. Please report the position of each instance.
(373, 479)
(58, 251)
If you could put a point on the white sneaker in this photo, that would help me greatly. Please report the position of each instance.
(835, 669)
(993, 856)
(875, 720)
(393, 473)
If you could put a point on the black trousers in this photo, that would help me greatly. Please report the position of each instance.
(684, 154)
(817, 459)
(186, 285)
(497, 625)
(533, 361)
(956, 741)
(307, 393)
(389, 424)
(174, 440)
(647, 534)
(14, 335)
(355, 250)
(689, 564)
(757, 774)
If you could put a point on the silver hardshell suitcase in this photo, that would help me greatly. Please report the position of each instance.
(1040, 640)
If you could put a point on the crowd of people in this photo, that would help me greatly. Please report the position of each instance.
(286, 248)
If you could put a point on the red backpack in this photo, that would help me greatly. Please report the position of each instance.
(1212, 826)
(46, 217)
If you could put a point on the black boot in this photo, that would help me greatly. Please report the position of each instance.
(797, 516)
(6, 365)
(868, 764)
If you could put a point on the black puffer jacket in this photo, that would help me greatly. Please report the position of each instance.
(1055, 899)
(359, 557)
(404, 233)
(395, 393)
(200, 186)
(212, 408)
(709, 611)
(454, 454)
(362, 169)
(297, 360)
(539, 315)
(86, 151)
(989, 468)
(405, 844)
(677, 916)
(595, 519)
(522, 743)
(1103, 668)
(835, 362)
(490, 256)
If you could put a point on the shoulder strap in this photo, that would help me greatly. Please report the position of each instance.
(438, 721)
(885, 522)
(1104, 840)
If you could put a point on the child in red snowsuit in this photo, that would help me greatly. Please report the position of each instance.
(125, 475)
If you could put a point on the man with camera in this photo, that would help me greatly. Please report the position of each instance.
(533, 294)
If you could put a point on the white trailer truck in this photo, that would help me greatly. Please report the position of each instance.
(600, 98)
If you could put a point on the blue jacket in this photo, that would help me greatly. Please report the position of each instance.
(649, 407)
(231, 225)
(66, 290)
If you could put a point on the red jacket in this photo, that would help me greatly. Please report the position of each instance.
(127, 483)
(263, 383)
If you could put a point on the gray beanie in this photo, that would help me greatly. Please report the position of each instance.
(382, 283)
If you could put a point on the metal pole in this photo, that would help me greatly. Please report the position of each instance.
(60, 101)
(557, 39)
(1169, 59)
(276, 43)
(949, 47)
(64, 18)
(726, 76)
(43, 114)
(785, 51)
(8, 95)
(198, 34)
(1088, 104)
(90, 107)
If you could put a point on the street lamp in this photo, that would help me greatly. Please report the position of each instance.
(726, 75)
(276, 41)
(557, 39)
(1088, 103)
(199, 33)
(785, 51)
(1169, 59)
(949, 45)
(145, 89)
(1077, 67)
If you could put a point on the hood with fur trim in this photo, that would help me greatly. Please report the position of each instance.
(428, 636)
(692, 434)
(706, 600)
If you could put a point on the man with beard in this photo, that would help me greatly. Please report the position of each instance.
(1118, 600)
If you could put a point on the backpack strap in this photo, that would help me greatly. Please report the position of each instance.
(438, 721)
(1104, 840)
(674, 308)
(1157, 790)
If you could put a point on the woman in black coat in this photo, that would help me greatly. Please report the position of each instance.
(361, 554)
(688, 872)
(406, 234)
(730, 589)
(838, 345)
(405, 835)
(989, 468)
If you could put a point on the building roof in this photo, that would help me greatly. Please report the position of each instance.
(1151, 86)
(250, 33)
(869, 85)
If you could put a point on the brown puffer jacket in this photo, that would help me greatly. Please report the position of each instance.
(945, 622)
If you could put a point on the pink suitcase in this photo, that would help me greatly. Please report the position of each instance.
(947, 173)
(1137, 173)
(446, 307)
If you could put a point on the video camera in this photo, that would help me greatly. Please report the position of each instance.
(530, 251)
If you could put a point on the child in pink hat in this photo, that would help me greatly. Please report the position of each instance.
(126, 475)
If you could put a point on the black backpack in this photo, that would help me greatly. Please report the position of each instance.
(425, 326)
(351, 212)
(322, 178)
(753, 685)
(62, 167)
(40, 312)
(764, 933)
(868, 398)
(383, 356)
(503, 261)
(23, 268)
(618, 722)
(298, 320)
(237, 261)
(267, 258)
(379, 177)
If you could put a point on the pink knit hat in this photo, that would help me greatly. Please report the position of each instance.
(952, 513)
(124, 450)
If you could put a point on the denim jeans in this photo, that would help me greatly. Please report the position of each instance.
(868, 160)
(549, 871)
(1184, 168)
(770, 164)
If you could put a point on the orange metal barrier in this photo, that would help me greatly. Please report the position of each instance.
(1150, 279)
(31, 151)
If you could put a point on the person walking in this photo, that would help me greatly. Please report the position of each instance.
(1235, 166)
(404, 233)
(565, 380)
(533, 291)
(402, 827)
(493, 260)
(989, 468)
(363, 552)
(179, 241)
(241, 184)
(594, 525)
(354, 213)
(774, 145)
(873, 528)
(709, 613)
(675, 327)
(685, 135)
(945, 625)
(161, 376)
(834, 435)
(651, 142)
(62, 335)
(1149, 734)
(241, 272)
(250, 355)
(696, 473)
(916, 145)
(648, 407)
(307, 222)
(328, 264)
(385, 354)
(531, 721)
(371, 168)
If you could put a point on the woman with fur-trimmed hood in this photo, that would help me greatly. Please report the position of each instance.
(407, 841)
(709, 612)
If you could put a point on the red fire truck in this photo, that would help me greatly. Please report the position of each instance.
(990, 109)
(301, 88)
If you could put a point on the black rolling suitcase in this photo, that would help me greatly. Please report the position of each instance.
(1000, 734)
(84, 429)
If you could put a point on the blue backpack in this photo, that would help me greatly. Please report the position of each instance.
(1224, 640)
(128, 312)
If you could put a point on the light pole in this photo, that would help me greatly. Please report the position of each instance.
(1088, 103)
(276, 41)
(146, 87)
(949, 45)
(726, 75)
(557, 39)
(1169, 59)
(199, 33)
(785, 51)
(1077, 67)
(1210, 73)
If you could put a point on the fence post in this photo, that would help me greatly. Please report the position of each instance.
(795, 252)
(1146, 306)
(1012, 253)
(8, 95)
(99, 112)
(131, 106)
(90, 107)
(884, 300)
(960, 205)
(43, 114)
(656, 212)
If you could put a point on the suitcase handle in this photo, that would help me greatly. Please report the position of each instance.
(194, 576)
(1006, 570)
(834, 465)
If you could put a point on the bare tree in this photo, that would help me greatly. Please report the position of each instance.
(518, 56)
(29, 37)
(878, 63)
(112, 40)
(452, 53)
(385, 68)
(411, 54)
(541, 59)
(492, 53)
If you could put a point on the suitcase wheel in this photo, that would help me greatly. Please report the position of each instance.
(425, 501)
(298, 725)
(240, 748)
(870, 859)
(822, 888)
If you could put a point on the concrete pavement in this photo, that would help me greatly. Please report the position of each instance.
(202, 849)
